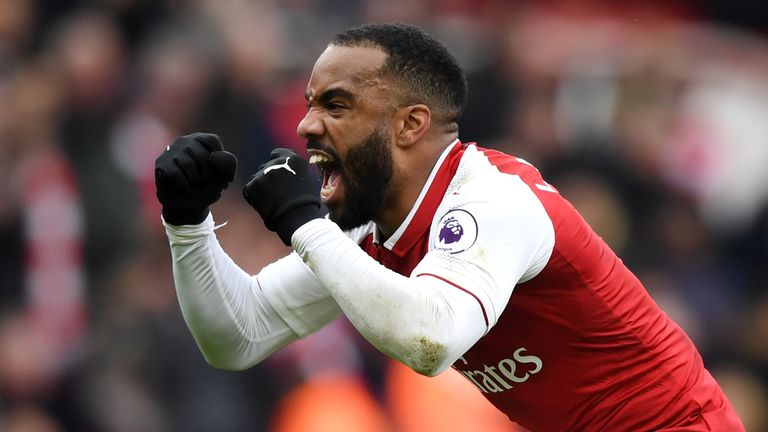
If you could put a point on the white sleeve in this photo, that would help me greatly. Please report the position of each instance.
(453, 296)
(238, 319)
(506, 239)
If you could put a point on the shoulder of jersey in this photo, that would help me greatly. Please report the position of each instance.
(478, 187)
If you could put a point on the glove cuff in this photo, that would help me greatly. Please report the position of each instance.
(289, 222)
(185, 217)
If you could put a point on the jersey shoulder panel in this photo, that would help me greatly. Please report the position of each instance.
(502, 204)
(489, 233)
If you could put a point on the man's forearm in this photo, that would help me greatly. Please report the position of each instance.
(421, 322)
(234, 326)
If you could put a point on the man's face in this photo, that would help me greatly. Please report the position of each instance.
(348, 132)
(365, 174)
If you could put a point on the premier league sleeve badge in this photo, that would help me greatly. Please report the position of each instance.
(457, 231)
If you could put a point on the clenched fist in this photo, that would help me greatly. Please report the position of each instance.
(190, 175)
(284, 194)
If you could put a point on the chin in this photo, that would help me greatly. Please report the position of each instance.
(345, 222)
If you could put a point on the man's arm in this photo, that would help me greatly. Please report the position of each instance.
(237, 319)
(427, 320)
(430, 319)
(422, 322)
(229, 312)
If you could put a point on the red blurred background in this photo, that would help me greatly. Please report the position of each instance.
(651, 117)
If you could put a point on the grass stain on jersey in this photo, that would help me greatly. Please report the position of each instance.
(428, 356)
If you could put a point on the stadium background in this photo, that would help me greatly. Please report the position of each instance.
(651, 116)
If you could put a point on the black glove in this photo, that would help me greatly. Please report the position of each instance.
(284, 193)
(190, 175)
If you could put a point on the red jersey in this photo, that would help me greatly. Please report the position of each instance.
(579, 346)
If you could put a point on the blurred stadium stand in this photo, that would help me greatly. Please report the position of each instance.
(650, 116)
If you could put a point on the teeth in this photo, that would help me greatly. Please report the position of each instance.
(318, 158)
(326, 190)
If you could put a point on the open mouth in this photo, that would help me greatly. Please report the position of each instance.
(330, 171)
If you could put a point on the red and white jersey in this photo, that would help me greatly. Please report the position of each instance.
(492, 271)
(580, 344)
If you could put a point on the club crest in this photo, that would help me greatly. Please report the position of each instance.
(457, 231)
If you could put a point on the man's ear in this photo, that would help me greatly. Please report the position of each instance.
(414, 122)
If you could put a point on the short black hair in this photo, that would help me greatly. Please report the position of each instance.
(428, 72)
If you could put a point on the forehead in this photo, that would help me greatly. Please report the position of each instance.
(351, 68)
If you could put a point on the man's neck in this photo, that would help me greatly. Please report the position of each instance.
(409, 179)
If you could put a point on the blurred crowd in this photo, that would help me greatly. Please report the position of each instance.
(651, 117)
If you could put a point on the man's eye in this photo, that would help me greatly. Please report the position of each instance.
(334, 106)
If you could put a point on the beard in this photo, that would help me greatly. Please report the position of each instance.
(366, 173)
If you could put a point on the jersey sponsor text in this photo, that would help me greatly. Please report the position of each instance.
(505, 375)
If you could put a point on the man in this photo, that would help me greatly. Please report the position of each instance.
(442, 254)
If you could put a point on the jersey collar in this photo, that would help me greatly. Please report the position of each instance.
(420, 217)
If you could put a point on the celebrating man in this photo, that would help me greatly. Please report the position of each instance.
(441, 253)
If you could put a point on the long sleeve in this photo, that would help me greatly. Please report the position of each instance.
(421, 322)
(452, 298)
(231, 313)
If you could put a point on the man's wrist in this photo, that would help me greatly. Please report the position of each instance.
(288, 223)
(305, 236)
(185, 217)
(186, 233)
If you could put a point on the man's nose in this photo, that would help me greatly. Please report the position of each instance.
(311, 125)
